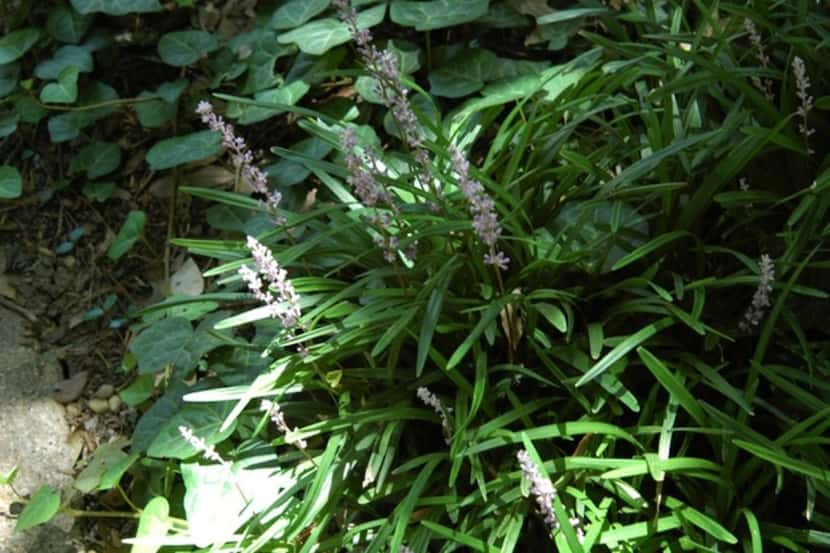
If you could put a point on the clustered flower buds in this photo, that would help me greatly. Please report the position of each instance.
(384, 67)
(241, 155)
(485, 222)
(362, 171)
(276, 415)
(802, 84)
(764, 85)
(543, 491)
(286, 305)
(761, 298)
(208, 451)
(432, 400)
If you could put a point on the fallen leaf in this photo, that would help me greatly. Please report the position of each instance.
(511, 323)
(6, 288)
(210, 175)
(188, 280)
(536, 8)
(67, 391)
(310, 199)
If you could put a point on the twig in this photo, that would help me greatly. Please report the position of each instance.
(8, 304)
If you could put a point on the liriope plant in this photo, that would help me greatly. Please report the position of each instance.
(574, 317)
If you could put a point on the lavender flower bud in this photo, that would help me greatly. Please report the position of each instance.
(543, 491)
(802, 83)
(432, 400)
(208, 451)
(761, 299)
(384, 67)
(241, 155)
(485, 221)
(286, 306)
(276, 415)
(764, 85)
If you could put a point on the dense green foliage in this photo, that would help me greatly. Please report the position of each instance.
(650, 169)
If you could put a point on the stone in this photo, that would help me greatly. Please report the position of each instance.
(114, 403)
(98, 405)
(34, 436)
(105, 391)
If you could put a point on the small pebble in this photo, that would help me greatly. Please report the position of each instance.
(98, 405)
(91, 423)
(72, 410)
(115, 404)
(105, 391)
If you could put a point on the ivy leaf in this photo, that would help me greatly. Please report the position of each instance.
(170, 91)
(40, 509)
(464, 74)
(65, 91)
(108, 461)
(173, 341)
(9, 75)
(163, 343)
(204, 419)
(98, 190)
(154, 523)
(116, 7)
(67, 126)
(437, 14)
(16, 43)
(130, 232)
(139, 391)
(184, 149)
(155, 417)
(11, 185)
(154, 113)
(296, 12)
(322, 35)
(217, 505)
(97, 159)
(182, 48)
(66, 56)
(66, 25)
(8, 123)
(289, 95)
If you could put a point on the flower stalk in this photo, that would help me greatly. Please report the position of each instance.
(241, 155)
(432, 400)
(761, 298)
(802, 84)
(285, 306)
(543, 491)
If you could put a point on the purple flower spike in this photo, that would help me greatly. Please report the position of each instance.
(485, 221)
(241, 155)
(286, 306)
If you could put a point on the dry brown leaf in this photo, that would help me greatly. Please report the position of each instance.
(209, 176)
(536, 8)
(511, 323)
(188, 280)
(162, 188)
(310, 200)
(6, 288)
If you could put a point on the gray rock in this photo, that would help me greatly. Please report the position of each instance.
(35, 437)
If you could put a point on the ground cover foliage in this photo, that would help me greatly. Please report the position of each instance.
(646, 372)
